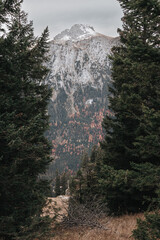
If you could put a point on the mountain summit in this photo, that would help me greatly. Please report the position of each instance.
(79, 75)
(75, 33)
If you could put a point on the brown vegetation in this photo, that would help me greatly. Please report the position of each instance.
(118, 228)
(114, 228)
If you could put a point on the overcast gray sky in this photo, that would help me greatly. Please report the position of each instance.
(103, 15)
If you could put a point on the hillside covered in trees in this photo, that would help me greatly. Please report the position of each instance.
(123, 172)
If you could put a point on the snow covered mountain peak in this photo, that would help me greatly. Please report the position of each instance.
(80, 77)
(75, 33)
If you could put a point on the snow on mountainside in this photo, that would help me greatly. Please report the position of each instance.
(80, 76)
(77, 32)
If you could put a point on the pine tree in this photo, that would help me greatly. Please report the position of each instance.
(90, 170)
(63, 183)
(133, 133)
(86, 170)
(79, 187)
(7, 7)
(25, 152)
(57, 184)
(149, 228)
(85, 185)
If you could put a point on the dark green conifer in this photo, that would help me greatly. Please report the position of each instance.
(133, 133)
(79, 186)
(7, 7)
(63, 183)
(85, 185)
(57, 184)
(149, 227)
(24, 151)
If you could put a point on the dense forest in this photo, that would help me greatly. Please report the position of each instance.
(124, 170)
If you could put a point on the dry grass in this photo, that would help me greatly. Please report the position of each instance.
(119, 228)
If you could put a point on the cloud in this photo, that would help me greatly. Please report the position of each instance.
(104, 15)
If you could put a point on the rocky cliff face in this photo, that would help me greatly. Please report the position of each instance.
(79, 76)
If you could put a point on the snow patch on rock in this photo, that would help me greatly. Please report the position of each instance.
(89, 102)
(75, 33)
